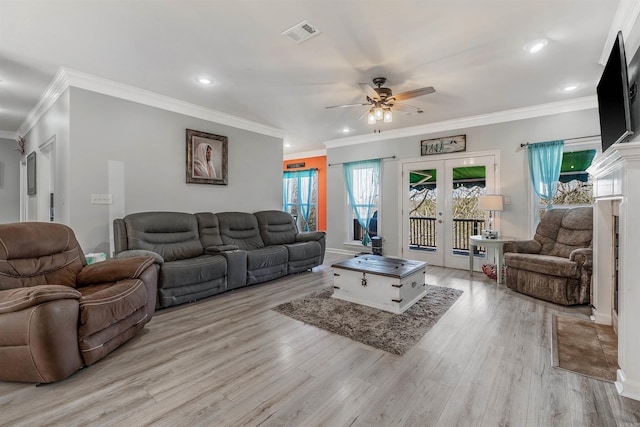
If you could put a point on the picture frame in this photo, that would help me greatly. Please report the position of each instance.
(207, 158)
(31, 174)
(449, 144)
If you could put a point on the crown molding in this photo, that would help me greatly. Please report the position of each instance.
(5, 134)
(624, 20)
(66, 78)
(541, 110)
(305, 154)
(57, 87)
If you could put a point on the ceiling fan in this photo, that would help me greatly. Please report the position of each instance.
(382, 100)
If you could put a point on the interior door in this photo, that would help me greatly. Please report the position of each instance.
(440, 207)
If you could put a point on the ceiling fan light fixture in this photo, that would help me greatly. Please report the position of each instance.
(388, 116)
(371, 117)
(379, 113)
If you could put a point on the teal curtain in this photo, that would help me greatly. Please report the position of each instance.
(545, 161)
(305, 187)
(289, 192)
(362, 179)
(298, 193)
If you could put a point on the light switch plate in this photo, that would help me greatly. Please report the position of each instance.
(101, 199)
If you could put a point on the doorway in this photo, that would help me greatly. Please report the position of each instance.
(440, 207)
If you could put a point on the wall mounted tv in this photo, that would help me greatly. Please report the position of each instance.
(614, 98)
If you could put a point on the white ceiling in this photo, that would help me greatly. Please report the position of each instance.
(470, 51)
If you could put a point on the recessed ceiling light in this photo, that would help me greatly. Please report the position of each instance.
(204, 80)
(287, 145)
(570, 88)
(535, 45)
(346, 130)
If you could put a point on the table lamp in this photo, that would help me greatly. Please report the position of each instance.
(491, 203)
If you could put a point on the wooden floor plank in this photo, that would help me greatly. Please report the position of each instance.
(230, 360)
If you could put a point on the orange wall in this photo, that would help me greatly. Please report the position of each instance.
(321, 164)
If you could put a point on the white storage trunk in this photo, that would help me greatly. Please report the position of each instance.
(388, 284)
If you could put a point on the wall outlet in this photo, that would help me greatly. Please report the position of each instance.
(101, 199)
(506, 200)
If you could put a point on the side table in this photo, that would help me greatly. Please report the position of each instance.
(497, 244)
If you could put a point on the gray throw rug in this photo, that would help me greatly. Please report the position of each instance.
(395, 333)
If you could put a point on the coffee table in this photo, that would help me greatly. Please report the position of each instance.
(388, 284)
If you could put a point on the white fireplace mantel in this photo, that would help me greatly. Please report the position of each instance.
(617, 189)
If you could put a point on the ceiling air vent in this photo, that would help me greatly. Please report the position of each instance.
(301, 32)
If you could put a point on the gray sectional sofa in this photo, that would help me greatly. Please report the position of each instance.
(206, 253)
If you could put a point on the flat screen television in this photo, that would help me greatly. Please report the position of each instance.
(614, 99)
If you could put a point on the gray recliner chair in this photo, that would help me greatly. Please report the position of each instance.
(556, 265)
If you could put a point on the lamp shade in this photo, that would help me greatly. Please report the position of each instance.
(492, 202)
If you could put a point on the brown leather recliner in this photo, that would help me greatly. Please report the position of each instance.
(58, 314)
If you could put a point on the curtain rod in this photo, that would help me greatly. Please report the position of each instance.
(300, 170)
(381, 158)
(568, 139)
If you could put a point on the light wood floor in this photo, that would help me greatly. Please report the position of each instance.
(232, 361)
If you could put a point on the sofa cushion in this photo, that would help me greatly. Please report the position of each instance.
(576, 231)
(266, 264)
(240, 229)
(547, 230)
(209, 229)
(544, 264)
(104, 305)
(276, 227)
(200, 269)
(173, 235)
(38, 253)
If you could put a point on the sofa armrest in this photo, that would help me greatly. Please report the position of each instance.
(310, 236)
(157, 258)
(113, 270)
(20, 298)
(582, 256)
(523, 246)
(216, 250)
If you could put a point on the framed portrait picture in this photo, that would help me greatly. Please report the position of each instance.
(31, 174)
(449, 144)
(206, 158)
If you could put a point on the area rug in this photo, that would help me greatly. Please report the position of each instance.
(395, 333)
(584, 347)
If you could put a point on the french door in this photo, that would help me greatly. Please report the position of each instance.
(439, 207)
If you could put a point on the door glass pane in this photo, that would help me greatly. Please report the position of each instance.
(469, 183)
(422, 209)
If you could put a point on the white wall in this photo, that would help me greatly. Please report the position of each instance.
(9, 181)
(505, 137)
(150, 142)
(52, 126)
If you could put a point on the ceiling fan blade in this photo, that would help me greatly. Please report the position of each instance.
(369, 91)
(348, 105)
(364, 114)
(406, 108)
(413, 93)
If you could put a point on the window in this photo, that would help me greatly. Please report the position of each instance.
(575, 187)
(362, 179)
(300, 197)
